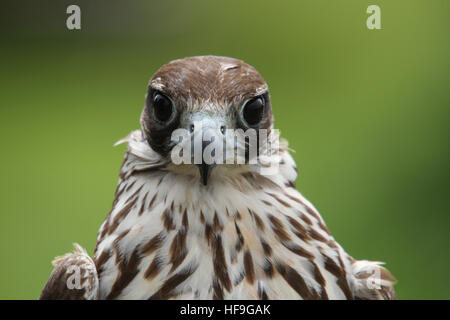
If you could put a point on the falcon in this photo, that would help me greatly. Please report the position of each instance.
(211, 229)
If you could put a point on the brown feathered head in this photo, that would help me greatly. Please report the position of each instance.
(217, 93)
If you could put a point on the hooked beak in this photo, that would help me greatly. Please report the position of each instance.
(205, 168)
(205, 172)
(208, 137)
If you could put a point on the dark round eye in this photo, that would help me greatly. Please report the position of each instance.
(253, 111)
(162, 107)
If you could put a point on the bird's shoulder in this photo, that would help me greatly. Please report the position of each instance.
(73, 278)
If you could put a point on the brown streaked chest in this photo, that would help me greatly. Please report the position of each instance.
(177, 240)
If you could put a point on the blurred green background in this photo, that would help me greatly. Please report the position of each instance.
(366, 111)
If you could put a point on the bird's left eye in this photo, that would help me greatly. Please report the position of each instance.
(253, 111)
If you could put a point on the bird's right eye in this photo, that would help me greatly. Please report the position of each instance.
(162, 107)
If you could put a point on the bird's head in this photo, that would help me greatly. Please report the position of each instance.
(196, 103)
